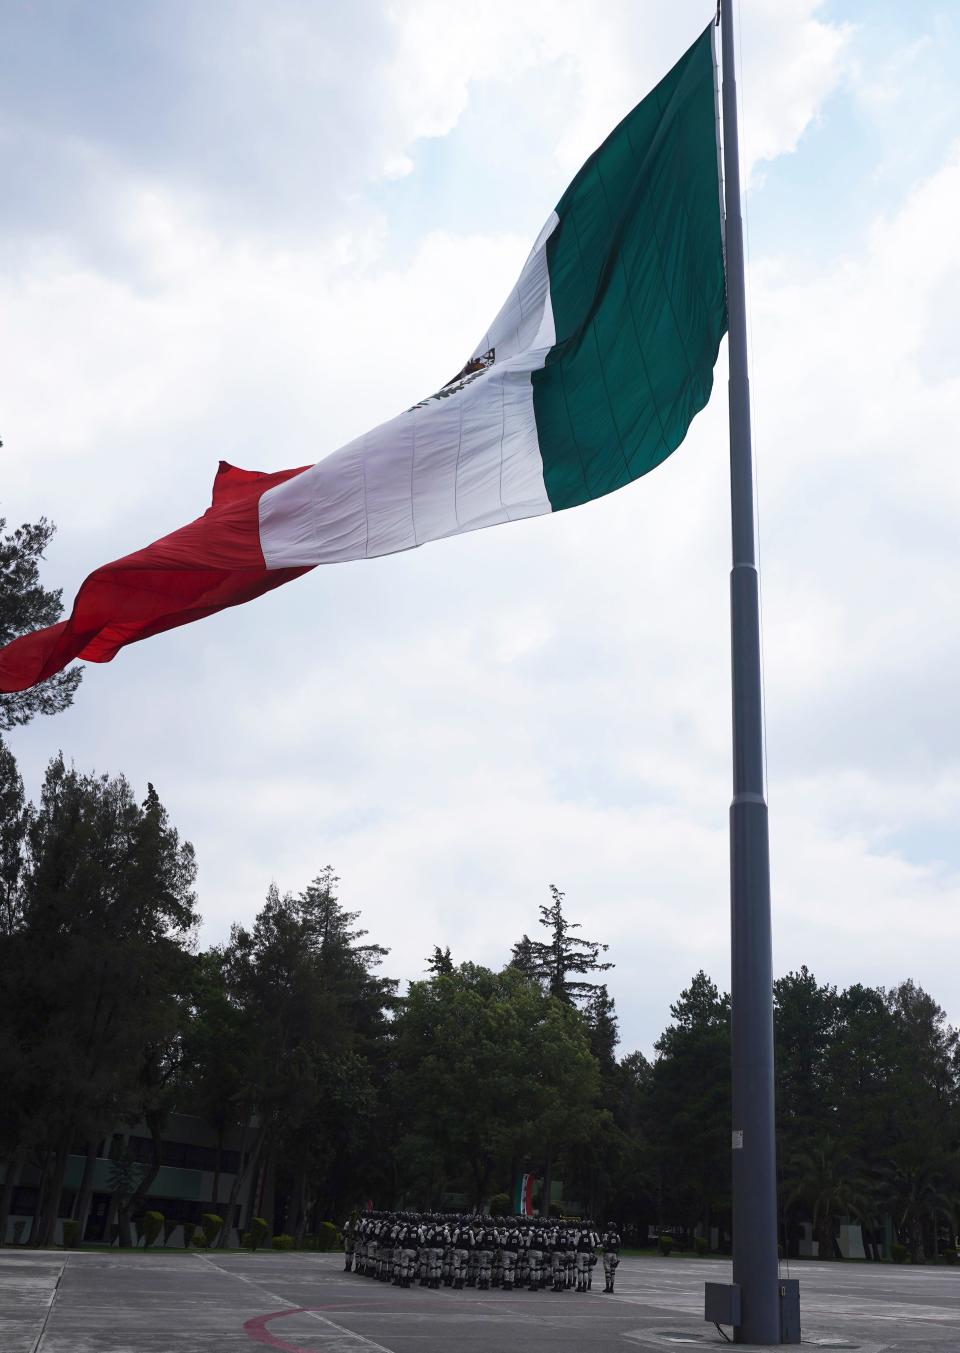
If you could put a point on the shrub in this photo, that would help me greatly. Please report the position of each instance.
(188, 1229)
(257, 1234)
(950, 1256)
(664, 1244)
(328, 1237)
(71, 1234)
(200, 1241)
(211, 1224)
(499, 1205)
(282, 1242)
(152, 1226)
(701, 1245)
(168, 1229)
(899, 1253)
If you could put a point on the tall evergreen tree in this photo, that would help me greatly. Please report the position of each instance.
(26, 605)
(690, 1108)
(562, 961)
(103, 949)
(14, 819)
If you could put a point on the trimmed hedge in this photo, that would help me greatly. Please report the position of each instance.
(664, 1244)
(254, 1238)
(71, 1234)
(152, 1226)
(282, 1242)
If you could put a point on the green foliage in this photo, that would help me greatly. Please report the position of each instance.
(688, 1108)
(329, 1237)
(830, 1185)
(500, 1205)
(153, 1224)
(488, 1067)
(254, 1238)
(200, 1241)
(899, 1253)
(562, 961)
(282, 1242)
(211, 1224)
(24, 606)
(440, 963)
(665, 1243)
(701, 1245)
(169, 1226)
(189, 1227)
(71, 1233)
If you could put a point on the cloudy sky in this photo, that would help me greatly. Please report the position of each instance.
(253, 231)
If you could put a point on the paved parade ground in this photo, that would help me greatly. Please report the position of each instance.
(185, 1302)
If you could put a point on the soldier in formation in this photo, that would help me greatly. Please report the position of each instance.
(478, 1251)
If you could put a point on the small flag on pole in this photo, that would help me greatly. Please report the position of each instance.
(589, 377)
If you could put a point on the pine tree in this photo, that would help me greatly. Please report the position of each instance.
(14, 818)
(562, 961)
(24, 606)
(440, 963)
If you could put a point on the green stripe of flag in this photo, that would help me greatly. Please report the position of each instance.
(638, 295)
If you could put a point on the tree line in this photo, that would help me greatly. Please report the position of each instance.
(344, 1089)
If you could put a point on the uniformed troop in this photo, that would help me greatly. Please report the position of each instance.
(481, 1252)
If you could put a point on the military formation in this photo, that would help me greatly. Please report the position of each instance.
(479, 1251)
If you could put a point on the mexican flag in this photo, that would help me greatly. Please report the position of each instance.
(588, 377)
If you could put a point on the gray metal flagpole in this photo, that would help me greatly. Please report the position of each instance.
(755, 1266)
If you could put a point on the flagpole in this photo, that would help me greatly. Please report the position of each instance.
(755, 1262)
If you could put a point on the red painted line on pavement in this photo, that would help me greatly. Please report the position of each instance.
(256, 1328)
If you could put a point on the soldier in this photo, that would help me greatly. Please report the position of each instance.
(371, 1248)
(462, 1246)
(408, 1253)
(423, 1257)
(610, 1243)
(569, 1255)
(509, 1251)
(485, 1253)
(349, 1242)
(586, 1243)
(435, 1245)
(523, 1253)
(535, 1256)
(555, 1244)
(473, 1258)
(447, 1263)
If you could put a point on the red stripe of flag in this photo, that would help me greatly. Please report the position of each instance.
(214, 562)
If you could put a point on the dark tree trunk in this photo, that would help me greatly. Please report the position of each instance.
(547, 1185)
(127, 1207)
(48, 1224)
(81, 1204)
(267, 1202)
(32, 1239)
(248, 1162)
(215, 1188)
(11, 1179)
(298, 1221)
